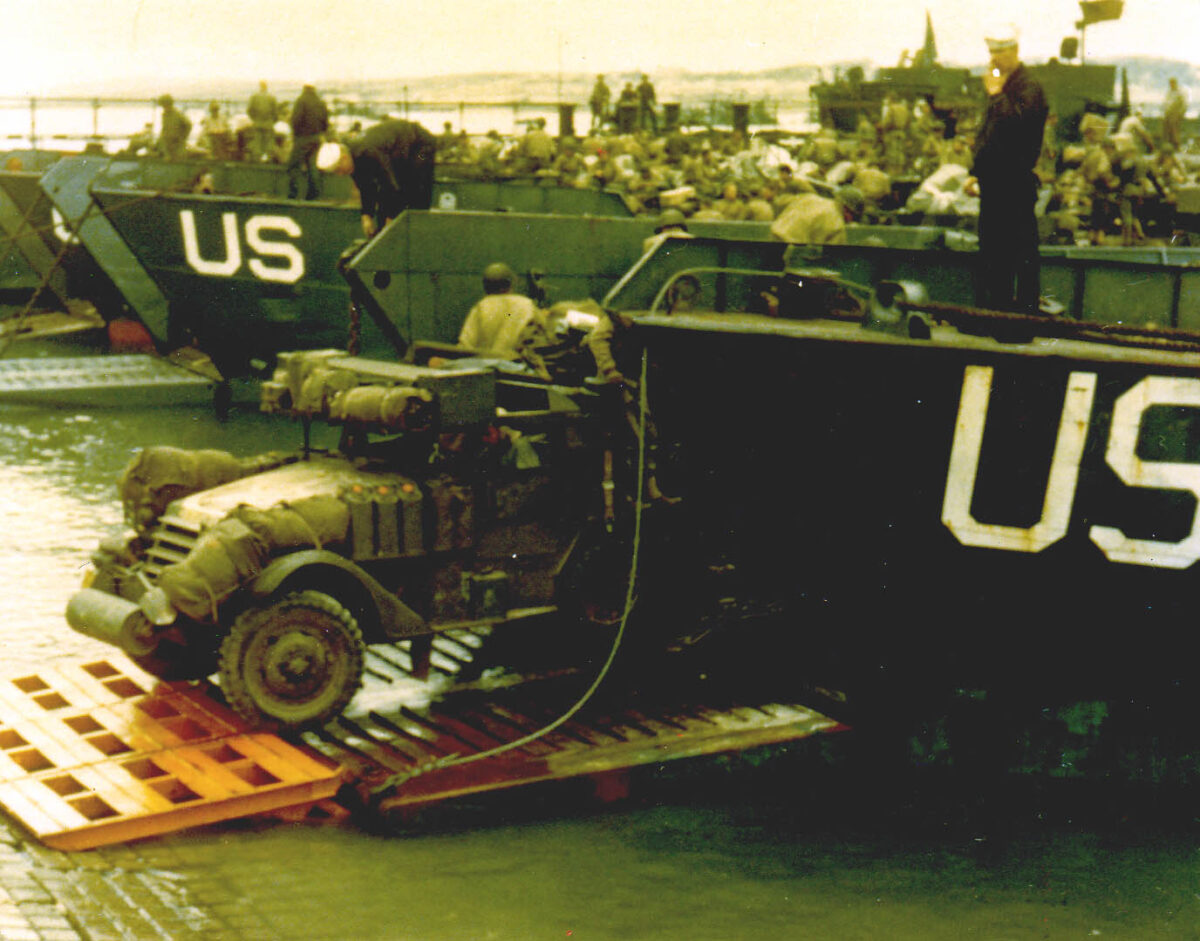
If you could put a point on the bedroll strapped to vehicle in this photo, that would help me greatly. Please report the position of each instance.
(157, 476)
(392, 407)
(319, 388)
(235, 550)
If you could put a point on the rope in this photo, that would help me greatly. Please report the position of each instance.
(455, 760)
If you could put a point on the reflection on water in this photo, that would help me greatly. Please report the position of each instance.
(704, 873)
(58, 473)
(708, 858)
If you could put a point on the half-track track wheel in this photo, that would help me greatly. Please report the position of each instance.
(293, 663)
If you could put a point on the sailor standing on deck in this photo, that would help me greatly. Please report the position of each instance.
(1006, 151)
(392, 166)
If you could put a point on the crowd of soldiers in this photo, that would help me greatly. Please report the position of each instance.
(1111, 182)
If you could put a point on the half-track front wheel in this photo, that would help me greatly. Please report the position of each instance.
(294, 663)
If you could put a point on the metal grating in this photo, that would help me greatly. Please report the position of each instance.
(411, 753)
(95, 753)
(117, 380)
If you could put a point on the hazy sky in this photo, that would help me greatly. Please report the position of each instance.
(49, 43)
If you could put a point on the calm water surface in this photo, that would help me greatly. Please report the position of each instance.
(716, 851)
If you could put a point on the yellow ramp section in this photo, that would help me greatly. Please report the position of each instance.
(97, 752)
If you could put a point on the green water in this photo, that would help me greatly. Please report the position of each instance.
(775, 848)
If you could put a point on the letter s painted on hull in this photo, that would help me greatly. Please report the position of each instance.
(256, 226)
(1163, 475)
(1064, 470)
(294, 270)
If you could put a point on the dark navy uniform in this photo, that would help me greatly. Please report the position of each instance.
(1006, 151)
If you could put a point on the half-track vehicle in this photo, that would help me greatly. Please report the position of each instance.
(440, 510)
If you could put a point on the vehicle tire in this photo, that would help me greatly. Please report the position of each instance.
(294, 663)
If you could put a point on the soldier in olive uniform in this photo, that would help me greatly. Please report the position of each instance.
(647, 117)
(599, 101)
(263, 111)
(176, 126)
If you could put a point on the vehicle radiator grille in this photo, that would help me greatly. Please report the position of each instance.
(171, 542)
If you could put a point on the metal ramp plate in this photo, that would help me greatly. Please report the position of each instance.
(127, 380)
(398, 757)
(97, 752)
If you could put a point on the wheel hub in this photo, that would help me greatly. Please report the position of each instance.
(295, 665)
(295, 662)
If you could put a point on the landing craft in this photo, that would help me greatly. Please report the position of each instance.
(245, 274)
(930, 496)
(906, 497)
(1071, 87)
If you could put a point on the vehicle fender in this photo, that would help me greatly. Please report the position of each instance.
(381, 615)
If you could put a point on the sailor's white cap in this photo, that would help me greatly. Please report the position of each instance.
(1001, 36)
(329, 155)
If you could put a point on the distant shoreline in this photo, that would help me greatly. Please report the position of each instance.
(1146, 74)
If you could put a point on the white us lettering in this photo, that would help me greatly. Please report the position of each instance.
(1121, 455)
(230, 261)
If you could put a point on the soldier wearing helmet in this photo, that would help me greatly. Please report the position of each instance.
(497, 323)
(671, 224)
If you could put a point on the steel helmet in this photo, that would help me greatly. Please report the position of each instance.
(670, 217)
(498, 277)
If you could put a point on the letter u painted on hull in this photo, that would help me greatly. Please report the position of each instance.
(1064, 467)
(228, 266)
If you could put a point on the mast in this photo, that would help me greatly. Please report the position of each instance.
(929, 51)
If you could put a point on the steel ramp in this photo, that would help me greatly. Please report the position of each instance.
(127, 380)
(97, 752)
(403, 756)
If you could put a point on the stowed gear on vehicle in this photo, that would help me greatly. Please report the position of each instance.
(438, 511)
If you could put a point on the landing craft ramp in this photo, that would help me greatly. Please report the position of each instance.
(96, 752)
(104, 381)
(66, 184)
(423, 271)
(40, 255)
